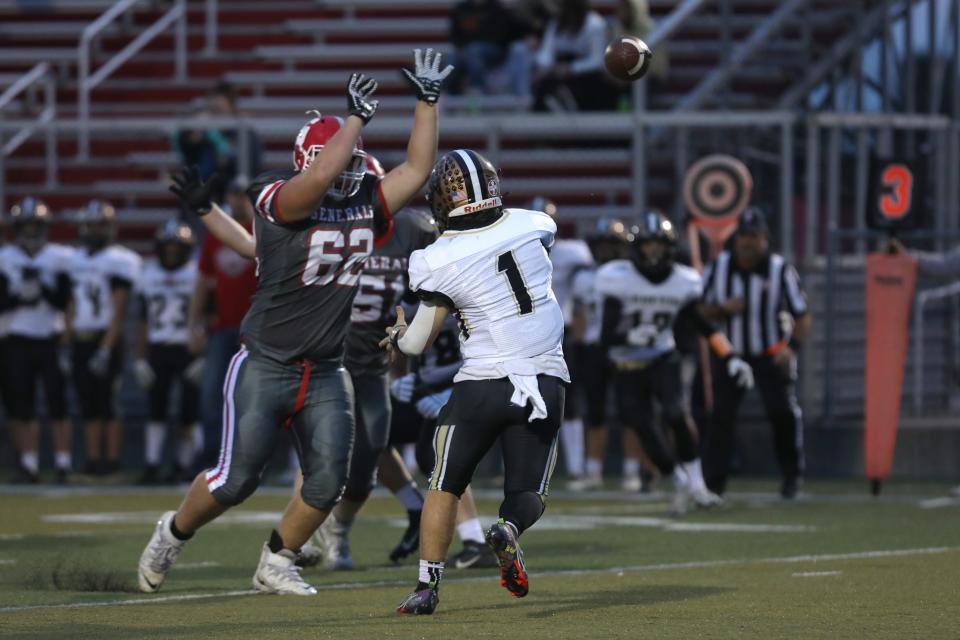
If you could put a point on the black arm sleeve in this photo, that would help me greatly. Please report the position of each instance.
(59, 296)
(612, 310)
(689, 315)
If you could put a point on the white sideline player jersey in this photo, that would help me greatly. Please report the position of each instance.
(649, 309)
(498, 280)
(165, 295)
(584, 294)
(26, 276)
(92, 275)
(568, 256)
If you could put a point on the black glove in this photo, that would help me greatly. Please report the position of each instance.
(194, 193)
(360, 89)
(426, 77)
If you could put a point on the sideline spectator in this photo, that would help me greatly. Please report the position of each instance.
(569, 66)
(482, 33)
(232, 279)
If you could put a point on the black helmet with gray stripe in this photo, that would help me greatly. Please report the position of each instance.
(463, 190)
(654, 227)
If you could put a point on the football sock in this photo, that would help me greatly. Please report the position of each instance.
(470, 530)
(63, 460)
(694, 473)
(594, 467)
(571, 437)
(185, 451)
(410, 497)
(179, 535)
(276, 542)
(156, 433)
(521, 509)
(196, 434)
(30, 461)
(430, 574)
(631, 467)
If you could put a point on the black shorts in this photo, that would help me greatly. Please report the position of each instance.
(405, 422)
(29, 360)
(5, 395)
(572, 355)
(169, 363)
(95, 394)
(478, 413)
(595, 368)
(636, 389)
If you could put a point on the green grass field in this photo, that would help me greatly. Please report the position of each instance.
(836, 564)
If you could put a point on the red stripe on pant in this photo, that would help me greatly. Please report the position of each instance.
(301, 394)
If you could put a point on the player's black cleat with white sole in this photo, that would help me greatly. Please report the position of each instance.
(410, 541)
(474, 555)
(421, 602)
(513, 573)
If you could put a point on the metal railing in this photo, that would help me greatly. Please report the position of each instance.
(919, 308)
(210, 28)
(86, 82)
(40, 73)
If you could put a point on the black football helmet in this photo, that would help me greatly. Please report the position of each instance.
(464, 191)
(609, 240)
(97, 224)
(31, 220)
(174, 244)
(654, 227)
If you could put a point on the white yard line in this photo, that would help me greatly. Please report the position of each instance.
(830, 557)
(816, 574)
(8, 561)
(196, 565)
(939, 503)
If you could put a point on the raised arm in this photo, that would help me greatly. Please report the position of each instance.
(230, 232)
(195, 195)
(401, 184)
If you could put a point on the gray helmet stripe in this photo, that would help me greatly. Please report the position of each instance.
(474, 172)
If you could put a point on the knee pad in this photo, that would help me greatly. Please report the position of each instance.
(234, 492)
(322, 490)
(522, 508)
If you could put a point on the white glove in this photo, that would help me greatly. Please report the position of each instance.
(426, 77)
(642, 335)
(741, 372)
(430, 406)
(99, 363)
(194, 370)
(144, 374)
(402, 388)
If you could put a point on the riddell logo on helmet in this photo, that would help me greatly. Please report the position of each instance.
(484, 204)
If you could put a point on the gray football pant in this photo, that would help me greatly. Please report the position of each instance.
(372, 392)
(261, 397)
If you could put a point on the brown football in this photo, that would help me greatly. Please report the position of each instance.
(627, 58)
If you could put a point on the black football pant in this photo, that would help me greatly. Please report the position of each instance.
(779, 394)
(636, 389)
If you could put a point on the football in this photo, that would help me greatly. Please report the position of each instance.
(627, 58)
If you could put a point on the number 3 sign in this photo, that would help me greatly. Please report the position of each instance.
(895, 185)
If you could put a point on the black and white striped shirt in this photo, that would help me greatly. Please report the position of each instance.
(773, 287)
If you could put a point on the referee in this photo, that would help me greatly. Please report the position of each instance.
(755, 295)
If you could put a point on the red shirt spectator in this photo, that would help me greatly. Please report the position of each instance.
(234, 278)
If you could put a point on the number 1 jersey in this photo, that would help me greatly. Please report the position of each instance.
(497, 279)
(309, 270)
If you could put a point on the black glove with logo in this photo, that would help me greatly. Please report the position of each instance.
(426, 77)
(194, 193)
(359, 91)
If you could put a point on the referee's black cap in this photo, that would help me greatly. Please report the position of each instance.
(752, 220)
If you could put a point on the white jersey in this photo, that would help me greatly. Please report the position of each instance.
(584, 295)
(94, 276)
(165, 298)
(648, 309)
(498, 278)
(27, 276)
(568, 257)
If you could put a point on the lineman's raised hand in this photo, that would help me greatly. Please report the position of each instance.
(426, 77)
(195, 194)
(360, 90)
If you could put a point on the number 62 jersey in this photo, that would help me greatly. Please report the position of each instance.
(497, 279)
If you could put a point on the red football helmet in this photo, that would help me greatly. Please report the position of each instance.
(310, 141)
(374, 167)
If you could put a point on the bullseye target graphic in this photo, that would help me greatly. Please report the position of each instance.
(716, 189)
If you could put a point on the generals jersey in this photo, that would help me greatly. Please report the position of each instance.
(165, 301)
(309, 270)
(31, 282)
(94, 277)
(497, 279)
(568, 257)
(647, 309)
(382, 283)
(584, 294)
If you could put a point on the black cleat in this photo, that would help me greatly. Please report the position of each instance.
(790, 487)
(474, 555)
(63, 476)
(422, 602)
(410, 540)
(513, 573)
(150, 476)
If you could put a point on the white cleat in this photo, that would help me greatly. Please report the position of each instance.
(704, 498)
(631, 484)
(332, 538)
(680, 503)
(955, 492)
(586, 483)
(159, 555)
(279, 573)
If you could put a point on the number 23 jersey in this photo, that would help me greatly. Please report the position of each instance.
(165, 301)
(648, 309)
(497, 279)
(308, 270)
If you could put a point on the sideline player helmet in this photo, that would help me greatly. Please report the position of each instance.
(609, 240)
(97, 223)
(311, 139)
(463, 184)
(174, 243)
(30, 219)
(654, 227)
